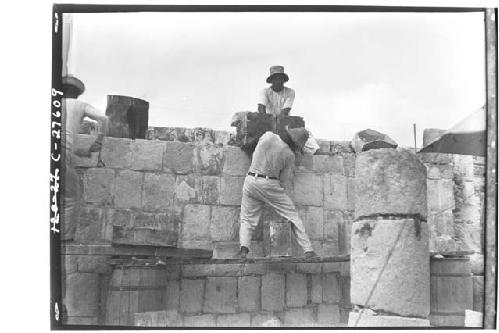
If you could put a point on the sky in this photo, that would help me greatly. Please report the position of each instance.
(350, 71)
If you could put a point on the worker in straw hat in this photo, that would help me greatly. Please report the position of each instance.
(268, 182)
(73, 113)
(276, 99)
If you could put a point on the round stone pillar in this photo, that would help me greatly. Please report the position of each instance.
(390, 279)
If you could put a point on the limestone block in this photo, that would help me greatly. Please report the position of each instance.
(144, 236)
(178, 157)
(358, 319)
(328, 164)
(351, 193)
(249, 293)
(220, 295)
(231, 190)
(265, 320)
(273, 292)
(147, 155)
(98, 185)
(234, 320)
(93, 264)
(331, 288)
(191, 296)
(440, 195)
(432, 134)
(310, 268)
(403, 287)
(128, 188)
(90, 225)
(236, 161)
(82, 294)
(167, 318)
(172, 294)
(328, 315)
(478, 293)
(341, 147)
(158, 191)
(303, 163)
(438, 158)
(204, 244)
(477, 263)
(314, 222)
(210, 190)
(224, 225)
(112, 217)
(197, 270)
(335, 191)
(301, 317)
(441, 223)
(390, 181)
(225, 250)
(316, 288)
(81, 320)
(324, 147)
(370, 139)
(307, 189)
(349, 165)
(296, 290)
(333, 218)
(222, 138)
(196, 222)
(208, 159)
(205, 320)
(463, 166)
(187, 189)
(281, 238)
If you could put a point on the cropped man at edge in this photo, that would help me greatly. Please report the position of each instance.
(269, 182)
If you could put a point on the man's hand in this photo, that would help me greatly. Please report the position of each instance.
(261, 108)
(285, 112)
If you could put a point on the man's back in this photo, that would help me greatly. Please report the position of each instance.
(271, 156)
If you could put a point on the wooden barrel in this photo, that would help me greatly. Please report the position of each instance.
(451, 291)
(128, 117)
(132, 290)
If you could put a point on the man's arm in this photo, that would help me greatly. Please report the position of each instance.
(94, 114)
(287, 106)
(286, 175)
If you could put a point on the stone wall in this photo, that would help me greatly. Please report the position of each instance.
(187, 184)
(244, 295)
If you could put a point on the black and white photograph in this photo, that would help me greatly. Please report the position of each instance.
(287, 166)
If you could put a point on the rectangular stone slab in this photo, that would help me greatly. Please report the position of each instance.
(143, 236)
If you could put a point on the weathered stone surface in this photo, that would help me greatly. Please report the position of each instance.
(205, 244)
(197, 270)
(307, 189)
(84, 142)
(144, 236)
(328, 315)
(349, 165)
(314, 222)
(82, 294)
(296, 290)
(208, 159)
(112, 217)
(328, 164)
(224, 225)
(390, 181)
(98, 185)
(93, 264)
(324, 147)
(128, 187)
(220, 295)
(273, 292)
(403, 287)
(255, 269)
(231, 190)
(303, 163)
(187, 189)
(330, 248)
(228, 270)
(311, 268)
(331, 288)
(169, 318)
(358, 319)
(265, 320)
(210, 190)
(147, 155)
(206, 320)
(478, 293)
(370, 139)
(281, 238)
(196, 223)
(234, 320)
(223, 250)
(477, 263)
(178, 157)
(249, 293)
(158, 191)
(331, 224)
(116, 153)
(440, 195)
(316, 289)
(438, 158)
(341, 147)
(191, 297)
(301, 317)
(345, 291)
(221, 138)
(90, 226)
(335, 191)
(81, 320)
(236, 162)
(172, 295)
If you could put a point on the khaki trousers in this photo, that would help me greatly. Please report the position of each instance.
(259, 191)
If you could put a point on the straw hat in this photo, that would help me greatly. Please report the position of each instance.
(276, 70)
(299, 136)
(71, 80)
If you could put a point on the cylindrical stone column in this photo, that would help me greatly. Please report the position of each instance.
(390, 278)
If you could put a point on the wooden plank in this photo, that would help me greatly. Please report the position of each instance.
(159, 261)
(491, 254)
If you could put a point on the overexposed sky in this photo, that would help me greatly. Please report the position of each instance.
(350, 71)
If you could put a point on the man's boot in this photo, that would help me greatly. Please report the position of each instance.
(242, 254)
(310, 255)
